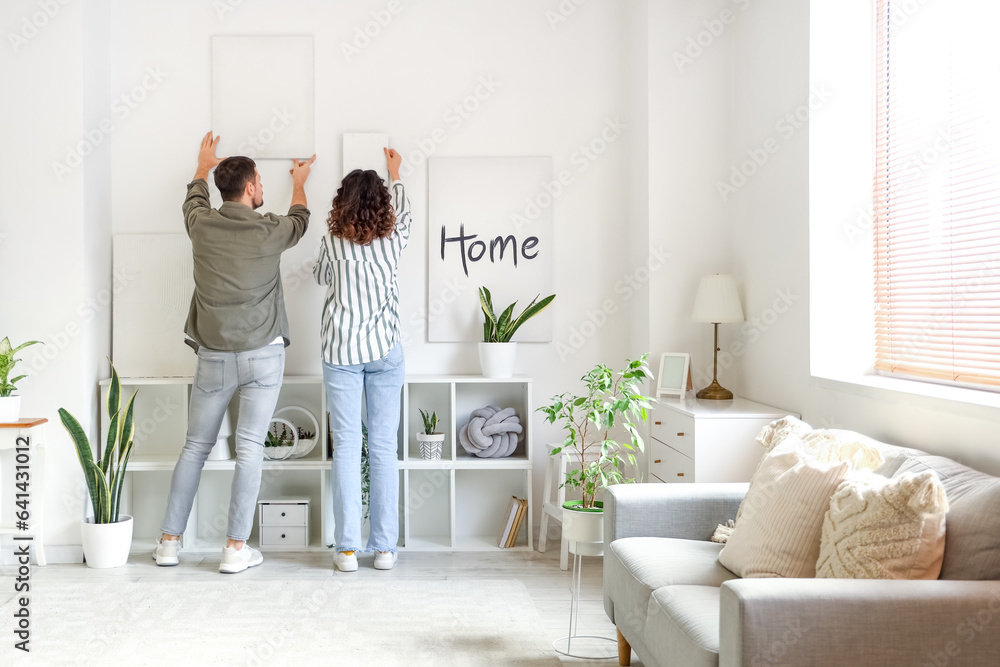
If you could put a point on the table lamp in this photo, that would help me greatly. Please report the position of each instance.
(717, 302)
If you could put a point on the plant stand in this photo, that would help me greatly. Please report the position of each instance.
(564, 645)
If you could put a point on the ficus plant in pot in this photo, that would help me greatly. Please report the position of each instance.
(10, 404)
(612, 400)
(107, 536)
(497, 352)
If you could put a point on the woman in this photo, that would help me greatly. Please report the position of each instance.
(368, 228)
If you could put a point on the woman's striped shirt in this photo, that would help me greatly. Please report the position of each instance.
(360, 320)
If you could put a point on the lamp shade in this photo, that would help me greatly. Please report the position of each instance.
(717, 300)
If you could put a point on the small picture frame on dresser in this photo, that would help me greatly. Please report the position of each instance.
(672, 379)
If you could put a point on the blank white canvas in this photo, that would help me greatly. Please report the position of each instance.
(263, 95)
(494, 197)
(363, 150)
(153, 286)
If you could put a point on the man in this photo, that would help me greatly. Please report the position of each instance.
(238, 328)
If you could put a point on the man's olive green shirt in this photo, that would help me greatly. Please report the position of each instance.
(238, 303)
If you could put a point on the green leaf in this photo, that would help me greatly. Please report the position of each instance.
(529, 312)
(84, 454)
(114, 394)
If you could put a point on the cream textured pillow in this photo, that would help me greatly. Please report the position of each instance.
(832, 444)
(778, 532)
(884, 528)
(774, 433)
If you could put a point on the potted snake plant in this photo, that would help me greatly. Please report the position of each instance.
(497, 352)
(107, 535)
(430, 439)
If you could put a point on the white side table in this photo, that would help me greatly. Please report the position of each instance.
(22, 466)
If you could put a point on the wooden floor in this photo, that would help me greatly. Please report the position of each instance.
(548, 585)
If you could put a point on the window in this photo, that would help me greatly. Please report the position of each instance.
(937, 191)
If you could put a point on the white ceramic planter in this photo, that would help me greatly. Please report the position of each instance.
(497, 359)
(106, 544)
(430, 445)
(584, 530)
(10, 409)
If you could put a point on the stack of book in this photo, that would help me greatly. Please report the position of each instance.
(512, 520)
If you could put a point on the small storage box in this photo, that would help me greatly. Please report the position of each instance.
(283, 523)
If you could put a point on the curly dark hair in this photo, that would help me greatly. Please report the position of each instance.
(362, 209)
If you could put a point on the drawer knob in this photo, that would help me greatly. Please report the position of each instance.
(657, 423)
(656, 461)
(680, 474)
(680, 435)
(282, 536)
(282, 514)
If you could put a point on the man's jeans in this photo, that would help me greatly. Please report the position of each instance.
(381, 381)
(257, 374)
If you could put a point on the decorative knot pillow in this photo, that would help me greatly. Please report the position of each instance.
(778, 531)
(884, 528)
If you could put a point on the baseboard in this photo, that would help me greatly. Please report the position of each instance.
(54, 554)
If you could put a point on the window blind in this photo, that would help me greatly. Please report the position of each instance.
(937, 191)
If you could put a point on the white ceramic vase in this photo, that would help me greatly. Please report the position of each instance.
(106, 544)
(10, 409)
(497, 359)
(585, 531)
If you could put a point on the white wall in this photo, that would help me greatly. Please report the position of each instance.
(771, 248)
(560, 86)
(46, 241)
(689, 113)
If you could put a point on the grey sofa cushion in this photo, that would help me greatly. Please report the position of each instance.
(634, 567)
(682, 625)
(894, 458)
(972, 527)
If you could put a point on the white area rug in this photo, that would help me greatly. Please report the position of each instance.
(256, 623)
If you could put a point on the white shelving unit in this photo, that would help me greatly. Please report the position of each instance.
(455, 503)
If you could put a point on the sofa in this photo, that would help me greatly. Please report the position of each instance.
(673, 603)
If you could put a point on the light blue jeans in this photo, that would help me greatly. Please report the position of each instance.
(257, 374)
(381, 382)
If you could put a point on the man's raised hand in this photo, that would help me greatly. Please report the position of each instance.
(300, 170)
(206, 156)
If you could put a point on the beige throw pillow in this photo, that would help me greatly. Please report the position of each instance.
(778, 532)
(884, 528)
(831, 444)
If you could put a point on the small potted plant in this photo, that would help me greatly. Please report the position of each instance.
(107, 536)
(10, 404)
(430, 440)
(612, 399)
(497, 352)
(280, 439)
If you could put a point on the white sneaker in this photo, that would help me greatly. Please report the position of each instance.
(345, 562)
(166, 552)
(384, 560)
(234, 561)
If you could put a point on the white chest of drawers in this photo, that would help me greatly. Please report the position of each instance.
(695, 440)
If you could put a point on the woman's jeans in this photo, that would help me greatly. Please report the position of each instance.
(257, 374)
(381, 382)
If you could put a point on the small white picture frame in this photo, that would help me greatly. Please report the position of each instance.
(672, 379)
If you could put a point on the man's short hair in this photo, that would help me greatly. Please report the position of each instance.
(232, 176)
